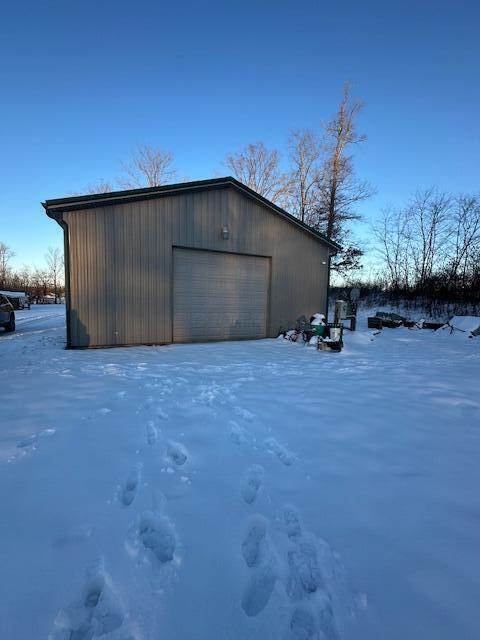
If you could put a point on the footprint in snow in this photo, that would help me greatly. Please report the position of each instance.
(302, 625)
(259, 587)
(160, 413)
(262, 565)
(177, 453)
(253, 540)
(96, 613)
(291, 522)
(313, 621)
(304, 572)
(128, 490)
(283, 454)
(104, 411)
(238, 434)
(156, 535)
(30, 443)
(252, 483)
(326, 619)
(313, 615)
(153, 535)
(152, 433)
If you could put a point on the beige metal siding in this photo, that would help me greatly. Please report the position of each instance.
(121, 260)
(219, 296)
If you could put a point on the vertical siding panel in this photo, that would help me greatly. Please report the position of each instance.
(105, 220)
(151, 269)
(163, 257)
(97, 280)
(83, 299)
(122, 274)
(137, 260)
(169, 221)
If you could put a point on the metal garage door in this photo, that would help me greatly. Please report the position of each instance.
(219, 296)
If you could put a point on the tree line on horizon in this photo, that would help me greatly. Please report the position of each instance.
(430, 247)
(37, 282)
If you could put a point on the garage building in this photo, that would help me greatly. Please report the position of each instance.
(195, 261)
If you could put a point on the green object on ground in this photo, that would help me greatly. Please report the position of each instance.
(319, 329)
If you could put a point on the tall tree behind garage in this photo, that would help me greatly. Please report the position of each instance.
(339, 189)
(259, 168)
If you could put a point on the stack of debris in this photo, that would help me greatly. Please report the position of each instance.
(316, 332)
(384, 319)
(467, 325)
(325, 336)
(306, 330)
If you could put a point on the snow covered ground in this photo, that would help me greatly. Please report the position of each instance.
(256, 490)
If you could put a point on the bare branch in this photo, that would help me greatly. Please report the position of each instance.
(305, 152)
(259, 169)
(149, 167)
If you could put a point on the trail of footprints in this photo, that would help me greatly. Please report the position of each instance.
(240, 435)
(97, 612)
(311, 608)
(297, 568)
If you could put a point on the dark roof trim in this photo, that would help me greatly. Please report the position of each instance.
(55, 208)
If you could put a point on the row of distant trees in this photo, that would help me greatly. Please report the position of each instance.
(317, 183)
(431, 247)
(36, 281)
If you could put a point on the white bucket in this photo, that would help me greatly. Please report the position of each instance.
(335, 334)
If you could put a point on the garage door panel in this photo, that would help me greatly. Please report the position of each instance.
(217, 296)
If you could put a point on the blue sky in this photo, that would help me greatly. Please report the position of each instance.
(81, 84)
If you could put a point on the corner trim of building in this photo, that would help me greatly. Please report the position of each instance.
(66, 260)
(328, 286)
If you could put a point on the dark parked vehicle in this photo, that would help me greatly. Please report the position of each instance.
(7, 314)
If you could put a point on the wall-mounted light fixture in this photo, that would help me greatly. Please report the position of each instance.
(225, 232)
(324, 262)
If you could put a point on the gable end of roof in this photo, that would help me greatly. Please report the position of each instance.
(57, 207)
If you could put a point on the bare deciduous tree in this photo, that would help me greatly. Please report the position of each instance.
(102, 186)
(393, 238)
(25, 275)
(6, 254)
(149, 167)
(340, 190)
(259, 168)
(54, 260)
(428, 214)
(430, 246)
(305, 153)
(40, 282)
(464, 238)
